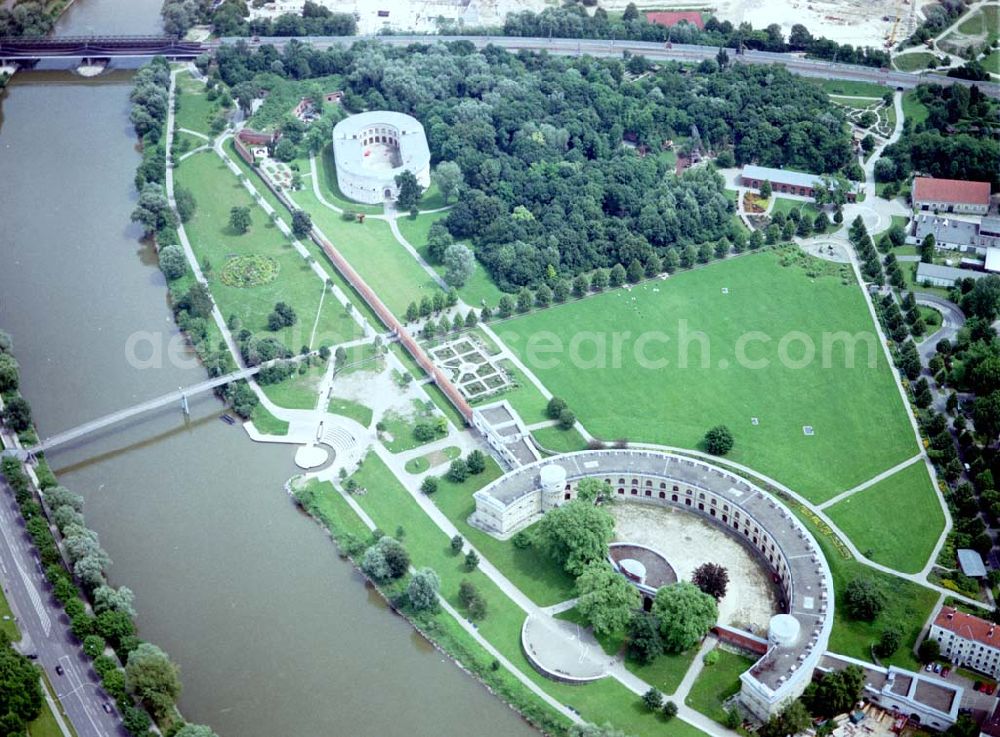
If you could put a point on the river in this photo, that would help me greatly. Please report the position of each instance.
(274, 634)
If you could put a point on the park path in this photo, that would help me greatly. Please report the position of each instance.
(870, 482)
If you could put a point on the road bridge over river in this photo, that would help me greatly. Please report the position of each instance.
(132, 51)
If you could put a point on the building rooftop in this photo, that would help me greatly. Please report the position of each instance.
(349, 151)
(936, 271)
(672, 18)
(658, 571)
(945, 229)
(811, 588)
(968, 626)
(970, 561)
(958, 191)
(785, 176)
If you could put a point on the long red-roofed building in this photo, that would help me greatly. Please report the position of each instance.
(951, 195)
(967, 640)
(673, 17)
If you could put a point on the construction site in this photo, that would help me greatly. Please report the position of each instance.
(874, 23)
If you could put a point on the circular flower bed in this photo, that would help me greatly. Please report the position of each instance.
(249, 271)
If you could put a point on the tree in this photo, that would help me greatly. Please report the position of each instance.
(93, 645)
(863, 599)
(794, 719)
(505, 308)
(471, 560)
(929, 650)
(429, 485)
(476, 462)
(185, 202)
(927, 249)
(888, 642)
(301, 223)
(152, 679)
(555, 407)
(524, 299)
(643, 637)
(173, 262)
(836, 692)
(543, 296)
(153, 210)
(239, 219)
(719, 440)
(986, 415)
(686, 614)
(471, 599)
(765, 189)
(17, 414)
(448, 177)
(422, 590)
(592, 489)
(20, 694)
(458, 471)
(195, 730)
(669, 710)
(9, 378)
(617, 276)
(387, 559)
(460, 263)
(575, 534)
(712, 579)
(652, 700)
(457, 543)
(606, 599)
(599, 280)
(121, 599)
(409, 190)
(567, 418)
(983, 300)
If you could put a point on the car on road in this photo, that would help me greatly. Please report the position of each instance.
(106, 706)
(59, 670)
(32, 656)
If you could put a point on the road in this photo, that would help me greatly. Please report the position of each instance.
(952, 321)
(656, 51)
(45, 628)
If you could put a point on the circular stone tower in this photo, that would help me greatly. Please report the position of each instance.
(553, 478)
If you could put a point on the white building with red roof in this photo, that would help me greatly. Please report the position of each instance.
(967, 640)
(951, 195)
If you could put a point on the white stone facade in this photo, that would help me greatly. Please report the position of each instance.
(361, 144)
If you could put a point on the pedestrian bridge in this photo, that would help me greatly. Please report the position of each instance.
(179, 396)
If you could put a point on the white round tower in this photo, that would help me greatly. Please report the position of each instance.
(553, 480)
(783, 630)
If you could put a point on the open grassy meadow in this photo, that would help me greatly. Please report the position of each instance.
(216, 191)
(896, 522)
(666, 361)
(716, 683)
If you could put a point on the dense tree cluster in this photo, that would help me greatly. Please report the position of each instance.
(537, 141)
(958, 140)
(231, 18)
(31, 18)
(573, 21)
(575, 534)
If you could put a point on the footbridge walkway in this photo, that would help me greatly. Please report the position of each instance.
(180, 396)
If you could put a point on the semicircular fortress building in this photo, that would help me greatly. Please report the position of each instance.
(372, 148)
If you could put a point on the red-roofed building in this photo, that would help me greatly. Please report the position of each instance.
(967, 640)
(951, 195)
(672, 18)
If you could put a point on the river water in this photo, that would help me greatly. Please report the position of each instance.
(274, 634)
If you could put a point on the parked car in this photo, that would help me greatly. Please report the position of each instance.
(945, 672)
(106, 706)
(937, 667)
(930, 667)
(59, 670)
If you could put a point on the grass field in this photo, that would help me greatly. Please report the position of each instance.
(907, 604)
(389, 505)
(896, 522)
(196, 111)
(435, 458)
(716, 683)
(914, 62)
(932, 318)
(383, 263)
(559, 440)
(7, 624)
(401, 426)
(298, 391)
(851, 88)
(992, 62)
(786, 205)
(216, 191)
(480, 286)
(267, 423)
(630, 393)
(355, 410)
(913, 109)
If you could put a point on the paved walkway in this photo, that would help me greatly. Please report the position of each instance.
(870, 482)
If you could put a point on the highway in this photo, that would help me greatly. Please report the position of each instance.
(45, 628)
(797, 63)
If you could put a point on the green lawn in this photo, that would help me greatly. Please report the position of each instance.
(216, 191)
(334, 511)
(852, 88)
(786, 205)
(436, 458)
(896, 522)
(992, 62)
(907, 604)
(913, 109)
(480, 286)
(543, 581)
(389, 505)
(914, 62)
(401, 426)
(371, 249)
(298, 391)
(630, 393)
(932, 318)
(348, 408)
(195, 111)
(716, 683)
(267, 423)
(559, 440)
(7, 624)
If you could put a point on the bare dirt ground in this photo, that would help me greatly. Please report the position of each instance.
(858, 22)
(687, 541)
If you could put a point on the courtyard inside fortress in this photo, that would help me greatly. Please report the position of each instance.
(687, 541)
